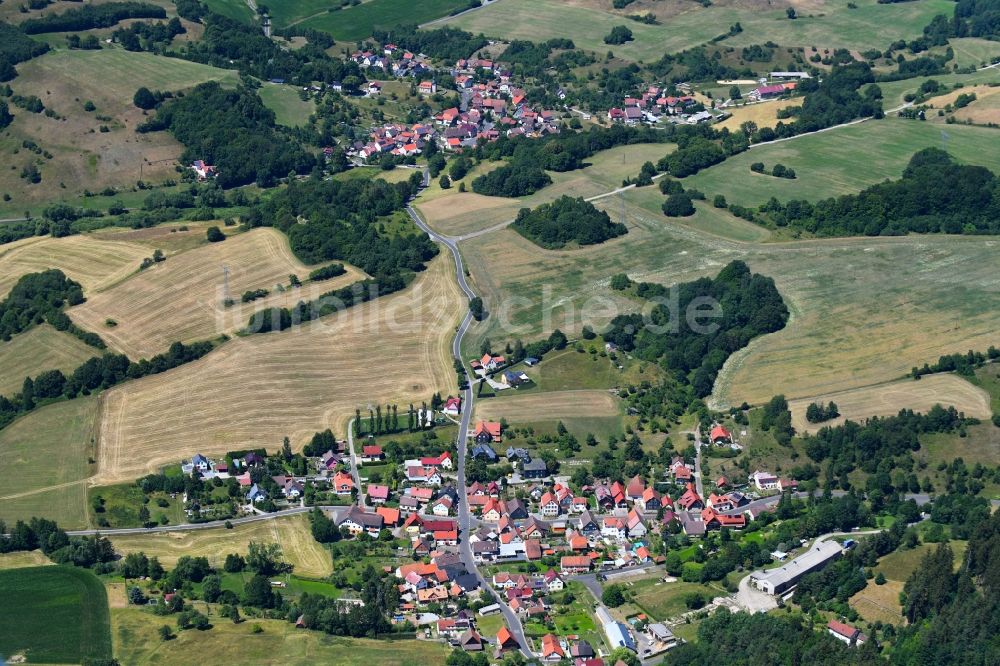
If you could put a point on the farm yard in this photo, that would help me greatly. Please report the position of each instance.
(182, 298)
(96, 263)
(821, 24)
(39, 599)
(136, 641)
(84, 157)
(887, 399)
(43, 463)
(40, 347)
(298, 547)
(255, 390)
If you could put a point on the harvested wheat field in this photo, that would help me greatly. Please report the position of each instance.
(764, 114)
(94, 263)
(255, 390)
(181, 299)
(298, 547)
(887, 399)
(41, 348)
(548, 406)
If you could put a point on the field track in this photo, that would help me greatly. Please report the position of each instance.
(255, 390)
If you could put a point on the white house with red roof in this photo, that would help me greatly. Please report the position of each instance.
(452, 406)
(719, 435)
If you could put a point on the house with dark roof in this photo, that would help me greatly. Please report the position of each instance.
(484, 452)
(536, 469)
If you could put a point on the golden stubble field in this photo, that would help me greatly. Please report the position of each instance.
(94, 262)
(887, 399)
(181, 299)
(255, 390)
(298, 547)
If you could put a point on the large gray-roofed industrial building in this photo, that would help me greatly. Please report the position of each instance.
(776, 581)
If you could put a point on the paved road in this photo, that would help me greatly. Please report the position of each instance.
(699, 484)
(191, 527)
(354, 464)
(464, 517)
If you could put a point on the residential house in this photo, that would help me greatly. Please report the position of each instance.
(343, 483)
(200, 463)
(202, 170)
(516, 509)
(487, 431)
(553, 581)
(390, 516)
(484, 452)
(535, 469)
(634, 525)
(714, 520)
(587, 525)
(378, 493)
(575, 564)
(357, 520)
(548, 505)
(690, 500)
(493, 510)
(442, 507)
(442, 461)
(650, 500)
(425, 475)
(551, 650)
(471, 641)
(764, 480)
(372, 453)
(845, 632)
(427, 88)
(452, 406)
(256, 494)
(614, 528)
(505, 642)
(720, 435)
(532, 550)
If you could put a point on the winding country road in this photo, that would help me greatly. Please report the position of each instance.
(464, 518)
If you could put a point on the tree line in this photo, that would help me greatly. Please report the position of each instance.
(934, 195)
(95, 374)
(16, 47)
(234, 131)
(446, 43)
(90, 17)
(962, 364)
(566, 220)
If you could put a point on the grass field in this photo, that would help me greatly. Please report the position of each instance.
(136, 641)
(844, 161)
(894, 91)
(864, 310)
(48, 449)
(358, 22)
(985, 110)
(53, 615)
(121, 504)
(764, 114)
(298, 547)
(234, 9)
(887, 399)
(456, 213)
(822, 24)
(289, 109)
(41, 348)
(23, 558)
(93, 262)
(83, 157)
(182, 298)
(554, 405)
(570, 370)
(255, 390)
(666, 600)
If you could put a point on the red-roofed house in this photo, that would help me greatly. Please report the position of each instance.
(343, 484)
(635, 488)
(390, 516)
(378, 494)
(719, 434)
(372, 453)
(714, 520)
(488, 431)
(575, 564)
(452, 406)
(690, 499)
(505, 641)
(845, 632)
(551, 650)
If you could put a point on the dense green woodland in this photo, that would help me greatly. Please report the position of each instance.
(448, 44)
(934, 195)
(92, 16)
(233, 130)
(749, 305)
(345, 221)
(15, 47)
(566, 220)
